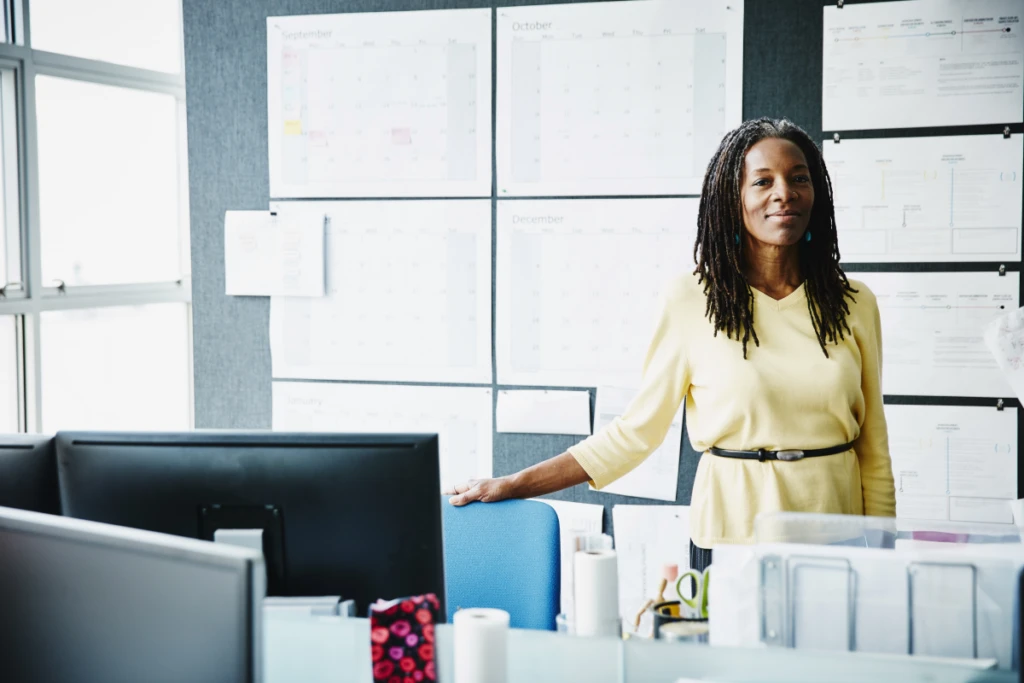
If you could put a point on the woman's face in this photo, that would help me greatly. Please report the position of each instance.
(777, 192)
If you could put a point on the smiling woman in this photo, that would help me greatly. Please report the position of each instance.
(791, 422)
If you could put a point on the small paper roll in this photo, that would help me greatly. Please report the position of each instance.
(481, 651)
(596, 596)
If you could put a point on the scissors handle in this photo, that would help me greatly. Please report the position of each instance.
(699, 602)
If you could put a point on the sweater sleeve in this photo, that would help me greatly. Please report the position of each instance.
(872, 446)
(627, 441)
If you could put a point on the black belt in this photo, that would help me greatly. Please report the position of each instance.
(786, 455)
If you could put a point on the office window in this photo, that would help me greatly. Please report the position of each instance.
(10, 238)
(124, 367)
(9, 384)
(108, 184)
(95, 295)
(140, 33)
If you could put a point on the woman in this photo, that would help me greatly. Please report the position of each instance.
(776, 353)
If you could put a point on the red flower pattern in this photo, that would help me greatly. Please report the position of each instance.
(401, 648)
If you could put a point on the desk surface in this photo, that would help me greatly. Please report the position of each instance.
(336, 650)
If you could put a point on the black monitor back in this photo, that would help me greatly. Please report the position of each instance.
(351, 515)
(28, 473)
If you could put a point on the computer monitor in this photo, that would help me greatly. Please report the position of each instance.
(351, 515)
(28, 473)
(81, 601)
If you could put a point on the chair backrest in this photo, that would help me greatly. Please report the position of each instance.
(506, 556)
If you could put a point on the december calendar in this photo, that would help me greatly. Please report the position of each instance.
(579, 284)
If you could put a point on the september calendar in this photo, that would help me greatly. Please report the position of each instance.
(579, 283)
(408, 295)
(615, 98)
(386, 104)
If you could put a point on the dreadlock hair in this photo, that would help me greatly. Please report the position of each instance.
(730, 302)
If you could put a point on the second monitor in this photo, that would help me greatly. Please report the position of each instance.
(355, 515)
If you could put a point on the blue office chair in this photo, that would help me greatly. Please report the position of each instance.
(503, 555)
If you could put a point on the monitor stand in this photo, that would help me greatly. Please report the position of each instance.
(255, 518)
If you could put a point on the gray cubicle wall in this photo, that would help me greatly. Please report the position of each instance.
(226, 78)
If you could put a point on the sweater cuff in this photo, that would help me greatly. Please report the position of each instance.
(595, 469)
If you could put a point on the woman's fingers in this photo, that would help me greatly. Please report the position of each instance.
(467, 493)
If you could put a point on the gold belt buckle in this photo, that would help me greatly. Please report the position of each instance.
(789, 455)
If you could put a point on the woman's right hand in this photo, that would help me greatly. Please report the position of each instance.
(483, 490)
(545, 477)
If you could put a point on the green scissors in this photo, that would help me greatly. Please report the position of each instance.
(698, 604)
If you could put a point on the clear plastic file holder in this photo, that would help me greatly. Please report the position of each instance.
(808, 602)
(811, 602)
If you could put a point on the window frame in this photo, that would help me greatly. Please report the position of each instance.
(31, 296)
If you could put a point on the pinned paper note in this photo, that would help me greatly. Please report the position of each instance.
(544, 412)
(1005, 339)
(270, 255)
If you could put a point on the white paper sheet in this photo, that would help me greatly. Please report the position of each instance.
(922, 63)
(647, 537)
(656, 477)
(1004, 338)
(408, 295)
(543, 412)
(268, 255)
(574, 519)
(953, 198)
(382, 104)
(579, 283)
(957, 452)
(460, 416)
(933, 330)
(615, 97)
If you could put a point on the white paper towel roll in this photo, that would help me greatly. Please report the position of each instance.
(596, 588)
(481, 652)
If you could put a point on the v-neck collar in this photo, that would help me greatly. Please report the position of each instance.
(794, 297)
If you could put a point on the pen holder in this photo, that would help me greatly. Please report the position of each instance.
(669, 614)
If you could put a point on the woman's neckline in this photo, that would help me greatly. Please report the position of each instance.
(793, 297)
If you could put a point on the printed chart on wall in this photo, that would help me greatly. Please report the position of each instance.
(408, 295)
(922, 63)
(647, 537)
(460, 416)
(933, 327)
(615, 97)
(955, 198)
(579, 283)
(387, 104)
(956, 463)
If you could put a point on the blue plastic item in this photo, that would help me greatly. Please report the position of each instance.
(503, 555)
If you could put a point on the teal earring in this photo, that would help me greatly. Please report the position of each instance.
(807, 235)
(737, 238)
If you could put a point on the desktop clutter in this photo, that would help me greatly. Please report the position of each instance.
(880, 587)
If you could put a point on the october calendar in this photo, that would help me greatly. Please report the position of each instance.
(614, 97)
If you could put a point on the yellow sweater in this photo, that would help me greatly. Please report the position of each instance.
(785, 395)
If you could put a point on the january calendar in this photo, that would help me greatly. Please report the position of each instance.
(615, 98)
(386, 104)
(579, 284)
